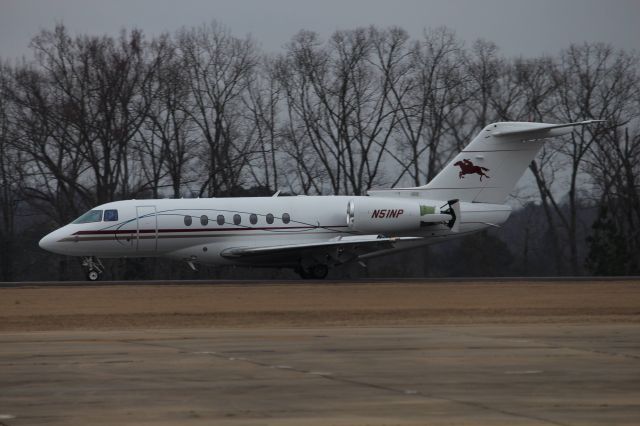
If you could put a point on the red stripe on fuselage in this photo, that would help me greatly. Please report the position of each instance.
(151, 231)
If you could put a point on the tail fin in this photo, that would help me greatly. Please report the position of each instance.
(489, 167)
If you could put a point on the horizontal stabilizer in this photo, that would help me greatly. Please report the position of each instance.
(539, 130)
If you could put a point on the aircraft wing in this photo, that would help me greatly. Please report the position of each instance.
(337, 250)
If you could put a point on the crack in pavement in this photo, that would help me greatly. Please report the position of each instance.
(354, 382)
(541, 343)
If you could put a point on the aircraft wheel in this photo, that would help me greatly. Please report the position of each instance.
(315, 272)
(93, 275)
(319, 271)
(304, 273)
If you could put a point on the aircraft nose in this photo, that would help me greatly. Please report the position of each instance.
(51, 242)
(47, 242)
(57, 242)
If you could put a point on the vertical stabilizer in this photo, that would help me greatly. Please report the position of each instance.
(487, 169)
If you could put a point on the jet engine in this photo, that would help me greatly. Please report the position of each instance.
(377, 215)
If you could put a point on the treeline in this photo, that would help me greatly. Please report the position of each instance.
(201, 113)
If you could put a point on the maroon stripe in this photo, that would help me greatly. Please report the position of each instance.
(153, 231)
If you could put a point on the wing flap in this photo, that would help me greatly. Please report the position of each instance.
(366, 243)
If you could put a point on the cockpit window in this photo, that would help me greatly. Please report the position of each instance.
(90, 216)
(110, 215)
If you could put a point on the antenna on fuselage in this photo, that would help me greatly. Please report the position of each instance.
(276, 194)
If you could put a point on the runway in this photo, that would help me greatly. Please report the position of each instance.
(325, 282)
(468, 353)
(436, 375)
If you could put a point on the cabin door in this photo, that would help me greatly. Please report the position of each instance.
(147, 230)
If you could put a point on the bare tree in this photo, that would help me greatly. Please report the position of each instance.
(166, 141)
(525, 95)
(337, 108)
(10, 179)
(484, 68)
(427, 99)
(483, 74)
(218, 68)
(52, 175)
(92, 119)
(615, 242)
(262, 104)
(591, 81)
(307, 171)
(82, 107)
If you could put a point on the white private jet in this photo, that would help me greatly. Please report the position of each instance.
(312, 233)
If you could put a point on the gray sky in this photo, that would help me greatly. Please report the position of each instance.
(519, 27)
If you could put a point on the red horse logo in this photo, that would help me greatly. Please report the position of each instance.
(468, 168)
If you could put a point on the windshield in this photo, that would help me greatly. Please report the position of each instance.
(90, 216)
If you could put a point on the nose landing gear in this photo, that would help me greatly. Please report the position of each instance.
(94, 267)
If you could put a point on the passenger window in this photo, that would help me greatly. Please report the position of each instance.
(237, 219)
(220, 220)
(110, 215)
(188, 220)
(253, 218)
(204, 220)
(269, 218)
(89, 217)
(286, 218)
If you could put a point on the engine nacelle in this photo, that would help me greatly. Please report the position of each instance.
(377, 215)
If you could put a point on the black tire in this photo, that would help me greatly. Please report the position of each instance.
(319, 271)
(316, 272)
(304, 274)
(93, 275)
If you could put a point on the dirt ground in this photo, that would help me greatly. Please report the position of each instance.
(316, 304)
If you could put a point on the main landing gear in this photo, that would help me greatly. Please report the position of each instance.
(94, 267)
(314, 272)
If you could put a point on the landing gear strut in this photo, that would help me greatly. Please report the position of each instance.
(315, 272)
(94, 267)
